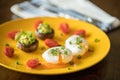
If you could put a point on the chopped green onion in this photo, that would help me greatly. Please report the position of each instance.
(70, 42)
(44, 28)
(78, 56)
(69, 68)
(54, 52)
(96, 40)
(43, 48)
(7, 44)
(31, 35)
(80, 47)
(17, 63)
(78, 41)
(65, 52)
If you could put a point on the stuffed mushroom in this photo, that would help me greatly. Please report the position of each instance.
(26, 41)
(44, 31)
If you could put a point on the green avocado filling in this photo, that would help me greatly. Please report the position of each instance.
(25, 38)
(44, 28)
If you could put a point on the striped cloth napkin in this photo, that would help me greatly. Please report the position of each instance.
(33, 8)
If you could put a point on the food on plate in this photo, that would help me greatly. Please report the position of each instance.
(52, 54)
(8, 50)
(26, 41)
(64, 27)
(56, 55)
(36, 24)
(81, 32)
(51, 43)
(44, 31)
(12, 34)
(77, 44)
(33, 63)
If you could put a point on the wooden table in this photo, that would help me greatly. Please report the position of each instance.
(107, 69)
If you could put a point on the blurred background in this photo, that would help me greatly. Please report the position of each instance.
(5, 13)
(109, 6)
(105, 12)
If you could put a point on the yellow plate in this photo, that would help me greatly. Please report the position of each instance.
(101, 47)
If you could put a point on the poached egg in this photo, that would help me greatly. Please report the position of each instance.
(77, 44)
(57, 55)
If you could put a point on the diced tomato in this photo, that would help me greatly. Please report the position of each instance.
(32, 63)
(12, 34)
(64, 27)
(36, 24)
(9, 51)
(80, 32)
(51, 43)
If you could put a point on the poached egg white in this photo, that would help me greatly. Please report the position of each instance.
(53, 54)
(77, 44)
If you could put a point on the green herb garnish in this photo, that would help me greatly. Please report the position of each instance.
(96, 40)
(78, 57)
(69, 68)
(25, 38)
(44, 28)
(78, 41)
(43, 48)
(54, 52)
(80, 47)
(65, 52)
(70, 42)
(7, 44)
(17, 63)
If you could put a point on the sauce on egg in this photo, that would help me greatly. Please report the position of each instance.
(47, 65)
(57, 55)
